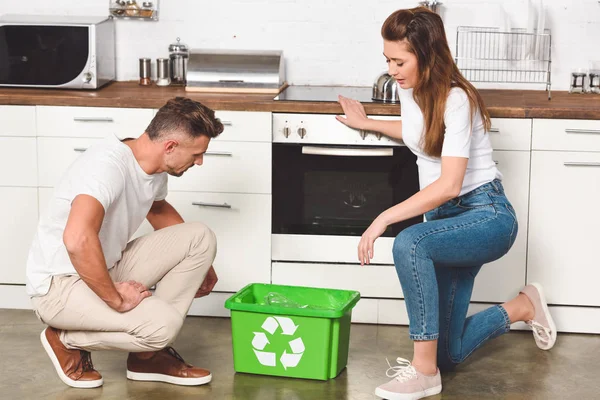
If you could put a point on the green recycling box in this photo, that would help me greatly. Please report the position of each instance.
(291, 331)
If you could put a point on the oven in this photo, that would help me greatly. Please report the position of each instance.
(329, 183)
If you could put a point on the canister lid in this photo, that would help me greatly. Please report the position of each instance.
(178, 48)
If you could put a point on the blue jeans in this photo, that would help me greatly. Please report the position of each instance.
(437, 262)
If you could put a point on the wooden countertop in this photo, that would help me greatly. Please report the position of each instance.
(500, 103)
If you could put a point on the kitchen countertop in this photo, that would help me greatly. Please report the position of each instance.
(500, 103)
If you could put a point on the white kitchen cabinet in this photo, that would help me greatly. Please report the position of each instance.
(502, 279)
(563, 233)
(245, 126)
(566, 135)
(56, 154)
(238, 167)
(17, 121)
(243, 233)
(92, 122)
(19, 216)
(511, 134)
(18, 164)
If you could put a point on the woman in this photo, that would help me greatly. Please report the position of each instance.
(470, 222)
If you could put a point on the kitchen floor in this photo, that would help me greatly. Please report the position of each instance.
(510, 367)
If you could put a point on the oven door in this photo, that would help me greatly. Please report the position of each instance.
(331, 194)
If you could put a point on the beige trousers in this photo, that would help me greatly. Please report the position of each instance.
(175, 259)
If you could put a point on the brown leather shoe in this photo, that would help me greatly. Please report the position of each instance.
(167, 366)
(74, 367)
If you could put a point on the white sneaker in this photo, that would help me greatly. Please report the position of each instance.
(408, 383)
(542, 324)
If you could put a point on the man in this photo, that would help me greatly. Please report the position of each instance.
(90, 286)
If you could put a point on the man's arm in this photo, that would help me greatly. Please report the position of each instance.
(162, 214)
(85, 251)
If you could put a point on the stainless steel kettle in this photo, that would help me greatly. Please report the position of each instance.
(385, 89)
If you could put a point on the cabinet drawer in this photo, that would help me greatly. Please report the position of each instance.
(238, 167)
(511, 134)
(245, 126)
(17, 121)
(243, 233)
(19, 216)
(18, 161)
(92, 121)
(563, 226)
(56, 154)
(566, 135)
(370, 281)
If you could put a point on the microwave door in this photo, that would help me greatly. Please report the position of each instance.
(42, 55)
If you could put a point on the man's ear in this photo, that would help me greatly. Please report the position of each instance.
(170, 145)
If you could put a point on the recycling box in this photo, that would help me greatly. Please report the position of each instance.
(291, 331)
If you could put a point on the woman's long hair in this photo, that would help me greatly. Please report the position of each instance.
(424, 32)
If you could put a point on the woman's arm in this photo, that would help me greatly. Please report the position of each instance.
(356, 117)
(445, 188)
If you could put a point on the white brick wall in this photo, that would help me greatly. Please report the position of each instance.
(324, 41)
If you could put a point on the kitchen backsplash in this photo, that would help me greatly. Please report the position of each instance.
(325, 42)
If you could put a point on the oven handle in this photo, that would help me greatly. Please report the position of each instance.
(358, 152)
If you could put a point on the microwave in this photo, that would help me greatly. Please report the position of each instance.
(63, 52)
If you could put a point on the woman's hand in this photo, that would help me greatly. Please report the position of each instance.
(365, 246)
(356, 117)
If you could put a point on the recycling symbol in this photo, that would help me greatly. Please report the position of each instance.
(260, 341)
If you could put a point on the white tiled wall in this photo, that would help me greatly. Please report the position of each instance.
(324, 41)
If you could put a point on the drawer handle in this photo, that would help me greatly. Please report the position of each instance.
(224, 205)
(219, 153)
(93, 119)
(593, 131)
(495, 162)
(581, 164)
(79, 149)
(226, 123)
(494, 130)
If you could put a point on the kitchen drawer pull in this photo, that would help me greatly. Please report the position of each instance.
(198, 203)
(79, 149)
(494, 130)
(360, 152)
(226, 122)
(219, 153)
(581, 164)
(93, 119)
(593, 131)
(495, 162)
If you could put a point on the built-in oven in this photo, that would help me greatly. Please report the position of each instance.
(329, 183)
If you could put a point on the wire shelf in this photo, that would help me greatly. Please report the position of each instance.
(490, 55)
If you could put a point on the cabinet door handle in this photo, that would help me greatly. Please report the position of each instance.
(226, 122)
(592, 131)
(93, 119)
(494, 130)
(581, 164)
(201, 204)
(80, 149)
(219, 153)
(495, 162)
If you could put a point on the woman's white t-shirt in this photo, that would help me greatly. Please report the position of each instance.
(461, 139)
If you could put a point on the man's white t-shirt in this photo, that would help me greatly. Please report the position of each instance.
(461, 139)
(110, 173)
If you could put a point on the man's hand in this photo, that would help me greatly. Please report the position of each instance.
(132, 293)
(209, 283)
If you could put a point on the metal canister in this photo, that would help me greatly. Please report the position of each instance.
(145, 72)
(162, 72)
(178, 56)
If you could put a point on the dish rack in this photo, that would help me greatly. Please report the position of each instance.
(490, 55)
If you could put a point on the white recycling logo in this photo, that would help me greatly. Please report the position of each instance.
(260, 341)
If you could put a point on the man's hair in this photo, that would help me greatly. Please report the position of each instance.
(184, 115)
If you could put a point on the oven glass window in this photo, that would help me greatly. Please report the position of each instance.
(42, 55)
(339, 195)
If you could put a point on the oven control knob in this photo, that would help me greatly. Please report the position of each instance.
(363, 134)
(286, 132)
(302, 132)
(87, 77)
